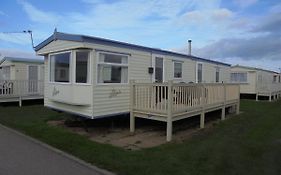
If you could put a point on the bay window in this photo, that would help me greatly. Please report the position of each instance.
(60, 67)
(82, 67)
(112, 68)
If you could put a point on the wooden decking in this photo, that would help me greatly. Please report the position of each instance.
(170, 102)
(272, 91)
(19, 90)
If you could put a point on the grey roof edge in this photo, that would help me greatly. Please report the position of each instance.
(20, 59)
(103, 41)
(254, 68)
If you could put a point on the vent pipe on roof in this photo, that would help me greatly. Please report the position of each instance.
(189, 47)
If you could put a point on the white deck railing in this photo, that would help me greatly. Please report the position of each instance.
(154, 98)
(21, 88)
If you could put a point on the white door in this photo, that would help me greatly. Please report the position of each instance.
(32, 79)
(159, 70)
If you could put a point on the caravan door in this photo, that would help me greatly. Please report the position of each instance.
(32, 79)
(158, 69)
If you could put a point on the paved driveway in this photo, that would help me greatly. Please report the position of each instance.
(20, 155)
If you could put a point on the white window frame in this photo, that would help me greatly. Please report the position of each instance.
(241, 82)
(89, 72)
(70, 67)
(217, 70)
(9, 78)
(38, 70)
(154, 56)
(196, 72)
(181, 62)
(112, 64)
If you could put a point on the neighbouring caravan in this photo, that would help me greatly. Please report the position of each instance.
(256, 81)
(95, 77)
(90, 76)
(21, 78)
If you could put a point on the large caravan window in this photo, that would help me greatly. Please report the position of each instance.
(239, 77)
(82, 67)
(112, 68)
(5, 73)
(177, 69)
(59, 67)
(217, 74)
(199, 73)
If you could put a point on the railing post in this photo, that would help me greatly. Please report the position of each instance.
(170, 111)
(132, 103)
(202, 115)
(238, 103)
(224, 102)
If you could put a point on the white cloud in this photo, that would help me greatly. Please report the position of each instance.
(245, 3)
(17, 53)
(37, 15)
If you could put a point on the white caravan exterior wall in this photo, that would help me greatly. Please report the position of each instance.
(98, 100)
(250, 86)
(258, 81)
(19, 70)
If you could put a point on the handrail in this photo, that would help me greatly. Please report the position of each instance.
(18, 88)
(156, 97)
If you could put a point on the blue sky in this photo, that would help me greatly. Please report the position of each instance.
(244, 32)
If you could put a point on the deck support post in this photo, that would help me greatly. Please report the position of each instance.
(223, 113)
(170, 111)
(20, 101)
(270, 96)
(238, 102)
(204, 101)
(257, 96)
(132, 102)
(202, 120)
(224, 103)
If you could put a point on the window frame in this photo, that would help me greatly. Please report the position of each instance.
(70, 67)
(196, 73)
(178, 62)
(111, 64)
(241, 82)
(217, 71)
(89, 72)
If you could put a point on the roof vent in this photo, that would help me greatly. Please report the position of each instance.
(189, 46)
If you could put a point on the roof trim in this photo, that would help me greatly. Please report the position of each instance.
(254, 68)
(25, 60)
(102, 41)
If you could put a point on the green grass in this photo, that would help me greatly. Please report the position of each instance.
(249, 143)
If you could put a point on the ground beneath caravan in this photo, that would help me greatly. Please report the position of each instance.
(115, 131)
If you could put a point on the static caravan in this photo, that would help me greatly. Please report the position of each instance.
(93, 77)
(21, 78)
(256, 81)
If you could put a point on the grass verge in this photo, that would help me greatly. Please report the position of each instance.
(249, 143)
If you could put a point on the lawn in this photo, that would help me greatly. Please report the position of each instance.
(249, 143)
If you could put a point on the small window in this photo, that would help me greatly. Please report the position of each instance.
(5, 73)
(177, 70)
(217, 74)
(274, 78)
(199, 73)
(59, 67)
(238, 77)
(112, 68)
(82, 67)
